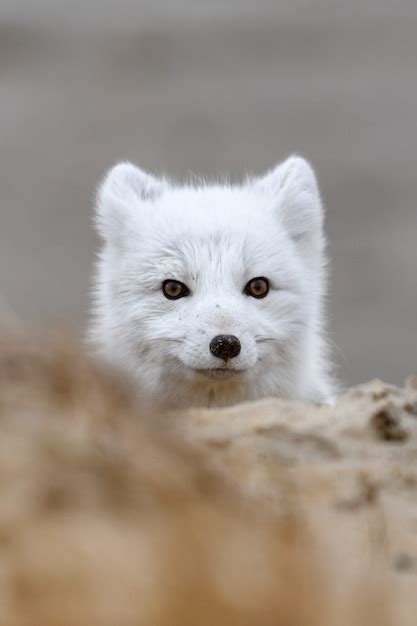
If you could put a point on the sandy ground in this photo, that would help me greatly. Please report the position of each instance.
(211, 87)
(268, 513)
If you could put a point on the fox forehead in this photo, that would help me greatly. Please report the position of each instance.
(208, 212)
(213, 258)
(197, 232)
(234, 199)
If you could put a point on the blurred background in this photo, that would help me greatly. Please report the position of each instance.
(208, 87)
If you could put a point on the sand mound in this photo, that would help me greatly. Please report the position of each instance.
(365, 444)
(263, 514)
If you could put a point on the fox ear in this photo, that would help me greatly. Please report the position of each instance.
(120, 195)
(293, 189)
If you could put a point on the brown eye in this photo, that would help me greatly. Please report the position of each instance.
(257, 287)
(173, 289)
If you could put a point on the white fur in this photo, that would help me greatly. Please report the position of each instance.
(213, 238)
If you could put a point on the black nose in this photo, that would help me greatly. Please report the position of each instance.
(225, 346)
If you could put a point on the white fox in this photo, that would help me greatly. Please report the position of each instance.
(212, 294)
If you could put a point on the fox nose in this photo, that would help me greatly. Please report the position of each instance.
(225, 346)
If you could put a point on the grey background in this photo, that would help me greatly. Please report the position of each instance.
(209, 87)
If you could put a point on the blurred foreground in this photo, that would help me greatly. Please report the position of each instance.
(269, 513)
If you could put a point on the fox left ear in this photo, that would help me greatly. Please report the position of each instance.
(125, 190)
(293, 189)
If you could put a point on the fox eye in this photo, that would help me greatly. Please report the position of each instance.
(257, 287)
(173, 289)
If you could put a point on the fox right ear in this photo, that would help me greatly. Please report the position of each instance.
(124, 189)
(292, 186)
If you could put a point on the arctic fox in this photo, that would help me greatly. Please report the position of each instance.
(212, 294)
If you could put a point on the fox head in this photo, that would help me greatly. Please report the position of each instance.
(211, 294)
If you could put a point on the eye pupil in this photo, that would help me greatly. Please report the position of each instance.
(174, 289)
(257, 287)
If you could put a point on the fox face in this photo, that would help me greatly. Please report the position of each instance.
(211, 294)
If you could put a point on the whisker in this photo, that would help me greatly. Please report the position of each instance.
(292, 322)
(265, 339)
(338, 350)
(167, 340)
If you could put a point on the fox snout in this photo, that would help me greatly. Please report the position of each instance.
(225, 346)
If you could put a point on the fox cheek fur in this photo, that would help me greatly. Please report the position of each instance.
(212, 294)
